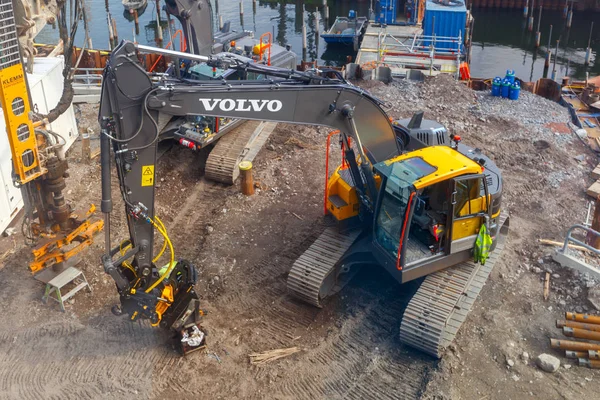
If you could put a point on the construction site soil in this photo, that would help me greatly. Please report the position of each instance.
(244, 246)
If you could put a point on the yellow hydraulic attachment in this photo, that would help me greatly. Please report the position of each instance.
(53, 252)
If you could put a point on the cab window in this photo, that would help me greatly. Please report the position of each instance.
(390, 220)
(466, 190)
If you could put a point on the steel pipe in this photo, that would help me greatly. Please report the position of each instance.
(172, 53)
(573, 345)
(594, 364)
(581, 333)
(576, 354)
(561, 323)
(588, 319)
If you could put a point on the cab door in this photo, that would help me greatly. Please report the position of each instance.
(469, 208)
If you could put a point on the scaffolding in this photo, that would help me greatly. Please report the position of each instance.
(437, 54)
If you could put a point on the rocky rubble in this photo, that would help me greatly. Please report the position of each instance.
(462, 109)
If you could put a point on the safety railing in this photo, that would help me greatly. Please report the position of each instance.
(265, 46)
(182, 46)
(570, 239)
(87, 84)
(327, 169)
(420, 44)
(88, 76)
(344, 165)
(432, 50)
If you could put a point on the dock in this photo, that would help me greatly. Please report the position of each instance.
(370, 47)
(404, 47)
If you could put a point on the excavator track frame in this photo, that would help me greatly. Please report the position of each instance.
(440, 306)
(241, 144)
(315, 275)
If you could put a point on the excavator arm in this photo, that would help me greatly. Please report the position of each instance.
(135, 106)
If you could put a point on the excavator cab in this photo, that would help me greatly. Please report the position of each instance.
(431, 205)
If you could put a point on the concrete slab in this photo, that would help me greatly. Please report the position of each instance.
(570, 261)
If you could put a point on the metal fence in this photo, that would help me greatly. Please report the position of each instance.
(87, 85)
(436, 53)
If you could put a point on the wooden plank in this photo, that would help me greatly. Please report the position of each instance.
(58, 50)
(596, 172)
(561, 244)
(594, 190)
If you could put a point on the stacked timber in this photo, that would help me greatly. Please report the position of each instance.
(594, 190)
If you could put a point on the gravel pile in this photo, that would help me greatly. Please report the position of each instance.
(463, 110)
(532, 111)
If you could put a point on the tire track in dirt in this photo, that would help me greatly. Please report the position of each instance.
(68, 360)
(364, 359)
(103, 357)
(361, 359)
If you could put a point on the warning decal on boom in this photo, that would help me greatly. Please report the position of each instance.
(147, 175)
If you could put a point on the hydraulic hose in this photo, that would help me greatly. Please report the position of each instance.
(164, 246)
(172, 251)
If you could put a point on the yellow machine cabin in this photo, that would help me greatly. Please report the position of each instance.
(430, 207)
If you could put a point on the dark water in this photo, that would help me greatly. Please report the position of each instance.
(283, 19)
(500, 38)
(501, 41)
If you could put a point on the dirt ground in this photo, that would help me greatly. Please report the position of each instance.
(244, 246)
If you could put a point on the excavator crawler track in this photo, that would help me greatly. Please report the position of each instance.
(241, 144)
(315, 274)
(441, 304)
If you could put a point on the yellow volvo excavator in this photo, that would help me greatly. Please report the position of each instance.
(408, 196)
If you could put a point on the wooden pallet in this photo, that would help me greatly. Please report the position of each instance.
(594, 190)
(596, 172)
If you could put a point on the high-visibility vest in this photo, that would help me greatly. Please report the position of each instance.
(483, 244)
(164, 269)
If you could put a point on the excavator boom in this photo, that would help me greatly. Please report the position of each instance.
(135, 107)
(336, 105)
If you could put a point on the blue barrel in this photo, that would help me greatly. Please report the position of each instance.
(505, 88)
(510, 75)
(515, 90)
(496, 87)
(352, 14)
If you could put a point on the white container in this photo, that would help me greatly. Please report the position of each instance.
(46, 86)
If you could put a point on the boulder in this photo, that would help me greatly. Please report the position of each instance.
(594, 297)
(547, 362)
